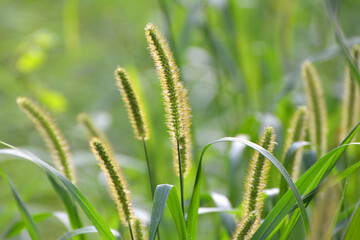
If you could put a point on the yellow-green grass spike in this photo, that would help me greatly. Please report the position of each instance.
(256, 178)
(139, 232)
(318, 126)
(296, 132)
(178, 112)
(351, 97)
(54, 139)
(132, 103)
(245, 229)
(115, 179)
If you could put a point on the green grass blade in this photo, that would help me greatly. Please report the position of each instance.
(352, 231)
(17, 227)
(194, 204)
(69, 205)
(165, 193)
(88, 208)
(25, 215)
(287, 163)
(85, 230)
(306, 183)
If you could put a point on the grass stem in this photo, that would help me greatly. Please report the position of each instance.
(149, 169)
(181, 178)
(131, 232)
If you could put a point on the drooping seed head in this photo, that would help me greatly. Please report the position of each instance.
(178, 112)
(132, 103)
(257, 175)
(115, 179)
(316, 107)
(54, 139)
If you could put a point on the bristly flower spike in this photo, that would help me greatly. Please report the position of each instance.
(245, 229)
(115, 180)
(178, 112)
(139, 233)
(132, 103)
(317, 108)
(51, 134)
(295, 133)
(351, 97)
(257, 175)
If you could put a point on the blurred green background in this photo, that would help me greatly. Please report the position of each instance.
(240, 60)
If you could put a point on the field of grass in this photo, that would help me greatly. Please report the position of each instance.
(235, 119)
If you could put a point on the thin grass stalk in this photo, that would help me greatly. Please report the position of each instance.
(149, 170)
(181, 180)
(51, 134)
(317, 108)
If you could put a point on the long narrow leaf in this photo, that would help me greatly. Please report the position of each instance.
(166, 194)
(306, 183)
(352, 231)
(29, 222)
(195, 200)
(86, 230)
(88, 208)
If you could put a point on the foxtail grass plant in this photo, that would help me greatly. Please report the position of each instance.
(318, 126)
(255, 184)
(351, 97)
(136, 114)
(116, 182)
(139, 230)
(178, 112)
(54, 139)
(246, 227)
(295, 133)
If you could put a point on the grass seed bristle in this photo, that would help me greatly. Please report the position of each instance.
(54, 139)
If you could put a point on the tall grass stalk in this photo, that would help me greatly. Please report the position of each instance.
(175, 100)
(53, 137)
(318, 125)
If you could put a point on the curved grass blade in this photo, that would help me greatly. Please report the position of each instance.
(352, 230)
(69, 205)
(88, 208)
(165, 193)
(86, 230)
(195, 199)
(287, 162)
(18, 226)
(306, 183)
(25, 215)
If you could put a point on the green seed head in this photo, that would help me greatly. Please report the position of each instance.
(245, 229)
(178, 112)
(316, 107)
(295, 133)
(115, 180)
(351, 98)
(51, 134)
(257, 175)
(132, 103)
(139, 230)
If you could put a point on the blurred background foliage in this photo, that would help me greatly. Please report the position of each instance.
(240, 60)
